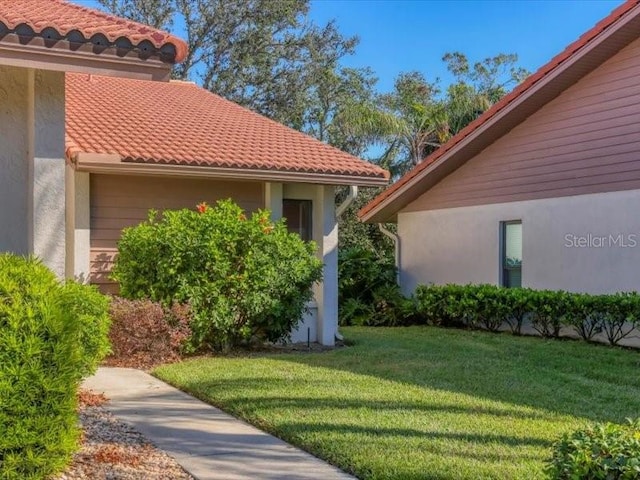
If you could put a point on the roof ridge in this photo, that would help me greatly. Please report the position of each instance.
(31, 13)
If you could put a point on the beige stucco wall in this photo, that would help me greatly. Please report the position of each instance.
(14, 164)
(32, 198)
(321, 323)
(49, 170)
(585, 243)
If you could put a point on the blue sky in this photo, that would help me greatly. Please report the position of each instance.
(404, 35)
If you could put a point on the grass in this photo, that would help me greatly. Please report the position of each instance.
(422, 402)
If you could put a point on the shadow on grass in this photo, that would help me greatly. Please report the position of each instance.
(573, 378)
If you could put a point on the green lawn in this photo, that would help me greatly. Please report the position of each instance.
(424, 402)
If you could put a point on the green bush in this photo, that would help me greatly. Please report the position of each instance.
(518, 307)
(367, 290)
(91, 309)
(620, 315)
(548, 309)
(45, 350)
(452, 305)
(585, 313)
(603, 451)
(246, 279)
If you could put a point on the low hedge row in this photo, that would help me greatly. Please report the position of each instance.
(52, 334)
(547, 311)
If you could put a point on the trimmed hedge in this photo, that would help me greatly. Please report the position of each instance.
(51, 335)
(606, 451)
(490, 307)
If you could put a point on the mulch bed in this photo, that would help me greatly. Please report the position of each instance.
(112, 450)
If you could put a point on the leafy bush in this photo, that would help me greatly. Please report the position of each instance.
(245, 278)
(548, 309)
(364, 279)
(603, 451)
(485, 307)
(44, 328)
(518, 307)
(144, 333)
(447, 305)
(620, 315)
(585, 313)
(368, 293)
(91, 308)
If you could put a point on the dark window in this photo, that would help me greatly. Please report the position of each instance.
(511, 255)
(298, 216)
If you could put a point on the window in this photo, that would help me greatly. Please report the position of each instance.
(511, 255)
(298, 216)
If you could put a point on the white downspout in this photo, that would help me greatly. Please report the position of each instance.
(353, 193)
(396, 247)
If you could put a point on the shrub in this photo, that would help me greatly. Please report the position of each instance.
(485, 306)
(43, 356)
(246, 279)
(367, 290)
(518, 307)
(547, 311)
(144, 333)
(585, 313)
(603, 451)
(91, 308)
(440, 305)
(620, 315)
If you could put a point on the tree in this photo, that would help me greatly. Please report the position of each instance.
(266, 55)
(477, 88)
(415, 118)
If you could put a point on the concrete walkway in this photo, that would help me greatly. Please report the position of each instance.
(207, 442)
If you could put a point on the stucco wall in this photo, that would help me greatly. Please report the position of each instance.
(32, 199)
(585, 243)
(14, 164)
(49, 170)
(322, 321)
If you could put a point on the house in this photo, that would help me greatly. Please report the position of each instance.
(94, 135)
(543, 189)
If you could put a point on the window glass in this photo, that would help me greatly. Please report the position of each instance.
(511, 256)
(298, 216)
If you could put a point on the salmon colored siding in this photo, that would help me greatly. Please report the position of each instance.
(586, 140)
(119, 201)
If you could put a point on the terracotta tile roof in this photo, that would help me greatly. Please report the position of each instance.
(181, 123)
(66, 20)
(395, 190)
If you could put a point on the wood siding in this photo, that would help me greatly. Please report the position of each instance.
(119, 201)
(586, 140)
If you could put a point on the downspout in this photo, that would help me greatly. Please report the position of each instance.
(353, 193)
(396, 247)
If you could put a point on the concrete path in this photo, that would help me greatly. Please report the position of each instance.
(207, 442)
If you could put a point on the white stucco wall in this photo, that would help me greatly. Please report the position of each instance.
(586, 243)
(32, 199)
(321, 323)
(14, 164)
(49, 170)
